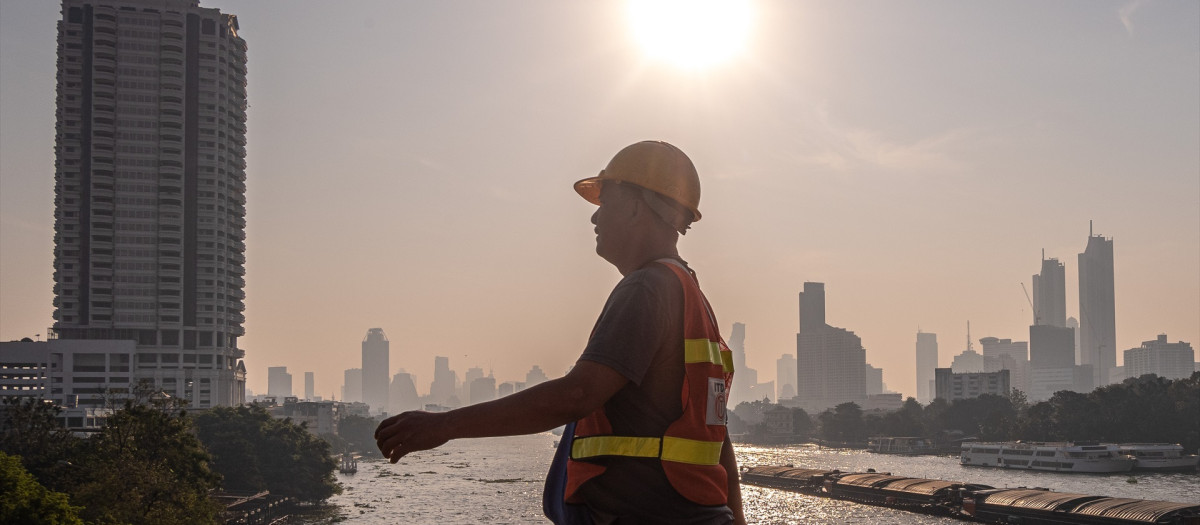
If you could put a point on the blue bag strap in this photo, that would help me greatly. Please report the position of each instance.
(554, 506)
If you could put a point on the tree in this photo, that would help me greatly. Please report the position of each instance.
(844, 423)
(145, 466)
(27, 501)
(30, 430)
(254, 452)
(359, 435)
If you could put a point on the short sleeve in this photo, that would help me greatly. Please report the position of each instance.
(631, 328)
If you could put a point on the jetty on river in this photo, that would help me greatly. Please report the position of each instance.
(972, 501)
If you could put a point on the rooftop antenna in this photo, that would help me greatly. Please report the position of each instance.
(969, 348)
(1090, 228)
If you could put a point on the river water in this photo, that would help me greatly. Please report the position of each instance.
(499, 480)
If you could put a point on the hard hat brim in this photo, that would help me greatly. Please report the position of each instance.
(589, 189)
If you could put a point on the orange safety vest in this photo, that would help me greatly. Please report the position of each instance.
(690, 450)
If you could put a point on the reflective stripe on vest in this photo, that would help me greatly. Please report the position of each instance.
(705, 351)
(668, 448)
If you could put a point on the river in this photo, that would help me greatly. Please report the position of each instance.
(499, 480)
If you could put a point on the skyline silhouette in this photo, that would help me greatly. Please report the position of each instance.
(414, 172)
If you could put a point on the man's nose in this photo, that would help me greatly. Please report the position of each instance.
(594, 215)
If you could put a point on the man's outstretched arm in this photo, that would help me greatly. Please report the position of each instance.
(542, 407)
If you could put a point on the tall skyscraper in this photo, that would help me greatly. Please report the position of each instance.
(352, 386)
(376, 354)
(150, 189)
(1050, 294)
(309, 386)
(279, 383)
(442, 390)
(785, 377)
(927, 362)
(830, 361)
(1097, 308)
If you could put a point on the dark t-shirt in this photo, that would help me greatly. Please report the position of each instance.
(640, 335)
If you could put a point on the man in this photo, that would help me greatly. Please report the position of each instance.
(648, 392)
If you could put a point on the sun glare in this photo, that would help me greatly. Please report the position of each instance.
(691, 33)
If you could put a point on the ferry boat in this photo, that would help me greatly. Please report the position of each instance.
(1054, 457)
(349, 464)
(1159, 456)
(900, 445)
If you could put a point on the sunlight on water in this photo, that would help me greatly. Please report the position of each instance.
(499, 480)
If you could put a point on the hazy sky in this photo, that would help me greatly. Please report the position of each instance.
(410, 168)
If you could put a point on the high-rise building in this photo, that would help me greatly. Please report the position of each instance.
(953, 386)
(403, 393)
(1073, 324)
(1168, 360)
(1052, 362)
(149, 230)
(927, 362)
(785, 377)
(309, 387)
(1050, 294)
(830, 361)
(1006, 354)
(874, 380)
(375, 365)
(1097, 308)
(279, 383)
(968, 362)
(441, 391)
(352, 386)
(482, 389)
(534, 376)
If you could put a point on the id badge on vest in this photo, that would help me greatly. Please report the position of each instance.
(716, 414)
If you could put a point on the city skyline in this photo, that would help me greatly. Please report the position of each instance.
(914, 158)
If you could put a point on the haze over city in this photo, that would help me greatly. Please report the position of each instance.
(409, 167)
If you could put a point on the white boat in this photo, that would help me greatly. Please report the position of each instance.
(1159, 456)
(1054, 457)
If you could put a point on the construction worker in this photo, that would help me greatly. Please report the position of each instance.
(646, 400)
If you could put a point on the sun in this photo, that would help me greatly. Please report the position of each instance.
(691, 33)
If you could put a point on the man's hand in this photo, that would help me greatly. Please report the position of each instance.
(398, 435)
(543, 407)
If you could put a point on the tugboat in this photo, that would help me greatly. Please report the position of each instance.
(349, 464)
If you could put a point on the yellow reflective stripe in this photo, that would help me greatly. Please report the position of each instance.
(691, 451)
(638, 447)
(702, 351)
(727, 361)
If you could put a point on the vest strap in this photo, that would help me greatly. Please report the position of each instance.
(679, 450)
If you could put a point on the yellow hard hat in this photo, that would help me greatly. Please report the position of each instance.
(653, 165)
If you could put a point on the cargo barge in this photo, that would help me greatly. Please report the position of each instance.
(972, 501)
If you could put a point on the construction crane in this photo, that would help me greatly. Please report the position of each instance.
(1037, 319)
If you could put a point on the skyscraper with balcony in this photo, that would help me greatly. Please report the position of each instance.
(150, 189)
(1097, 309)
